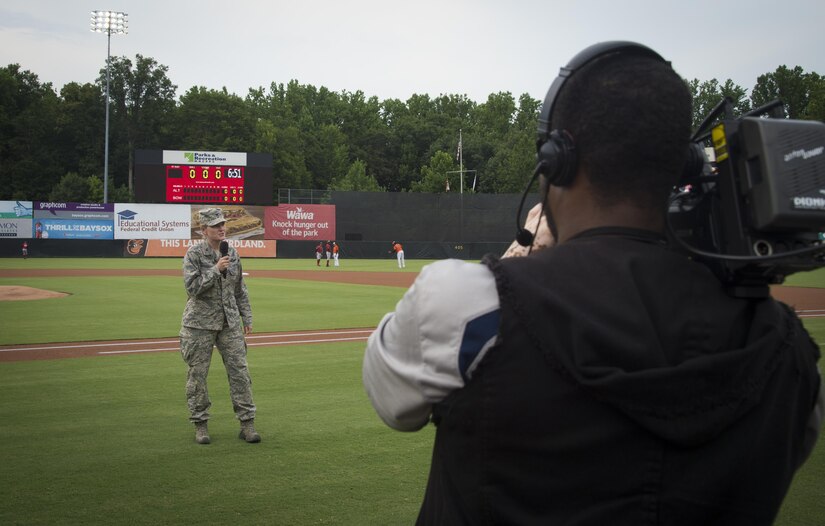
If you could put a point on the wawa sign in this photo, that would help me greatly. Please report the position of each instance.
(300, 222)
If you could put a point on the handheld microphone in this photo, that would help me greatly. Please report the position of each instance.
(523, 236)
(224, 252)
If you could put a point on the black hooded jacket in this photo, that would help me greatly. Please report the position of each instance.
(625, 387)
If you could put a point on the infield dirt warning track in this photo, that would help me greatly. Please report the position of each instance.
(51, 351)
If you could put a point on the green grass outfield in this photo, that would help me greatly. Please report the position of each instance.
(129, 307)
(106, 441)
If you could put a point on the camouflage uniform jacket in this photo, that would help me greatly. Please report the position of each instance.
(212, 297)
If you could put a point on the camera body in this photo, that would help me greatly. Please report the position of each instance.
(756, 212)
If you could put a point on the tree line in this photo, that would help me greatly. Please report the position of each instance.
(52, 143)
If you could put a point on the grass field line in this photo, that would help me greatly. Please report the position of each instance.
(811, 313)
(260, 340)
(292, 342)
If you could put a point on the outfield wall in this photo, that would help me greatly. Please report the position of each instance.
(364, 224)
(415, 217)
(381, 250)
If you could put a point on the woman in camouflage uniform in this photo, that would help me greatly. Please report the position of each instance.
(217, 314)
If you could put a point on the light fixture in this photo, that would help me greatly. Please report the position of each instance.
(109, 22)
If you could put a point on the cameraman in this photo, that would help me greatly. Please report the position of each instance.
(605, 379)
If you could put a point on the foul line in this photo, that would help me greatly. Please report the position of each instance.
(276, 336)
(809, 313)
(262, 344)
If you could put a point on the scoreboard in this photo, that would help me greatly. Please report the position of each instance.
(204, 184)
(200, 177)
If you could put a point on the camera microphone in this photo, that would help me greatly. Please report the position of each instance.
(224, 252)
(523, 236)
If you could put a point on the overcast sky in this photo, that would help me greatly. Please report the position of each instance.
(393, 49)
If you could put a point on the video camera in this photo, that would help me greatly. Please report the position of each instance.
(751, 203)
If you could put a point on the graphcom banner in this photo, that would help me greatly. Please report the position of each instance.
(15, 219)
(300, 222)
(77, 211)
(141, 221)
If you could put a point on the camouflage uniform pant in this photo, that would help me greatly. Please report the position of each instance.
(196, 349)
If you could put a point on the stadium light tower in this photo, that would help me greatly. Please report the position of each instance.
(108, 22)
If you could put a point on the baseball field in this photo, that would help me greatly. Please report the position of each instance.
(93, 419)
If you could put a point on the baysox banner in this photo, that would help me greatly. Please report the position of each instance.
(300, 222)
(72, 220)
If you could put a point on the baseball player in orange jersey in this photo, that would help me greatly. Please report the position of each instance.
(399, 253)
(335, 249)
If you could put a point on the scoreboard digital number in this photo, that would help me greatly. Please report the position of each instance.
(204, 184)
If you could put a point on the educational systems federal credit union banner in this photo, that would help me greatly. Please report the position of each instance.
(146, 221)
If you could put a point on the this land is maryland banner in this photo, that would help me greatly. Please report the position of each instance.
(247, 248)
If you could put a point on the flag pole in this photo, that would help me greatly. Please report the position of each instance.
(461, 160)
(461, 195)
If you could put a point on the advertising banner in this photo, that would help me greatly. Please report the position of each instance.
(143, 221)
(46, 228)
(247, 248)
(72, 220)
(242, 222)
(300, 222)
(78, 211)
(15, 219)
(203, 158)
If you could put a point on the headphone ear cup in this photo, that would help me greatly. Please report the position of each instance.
(558, 156)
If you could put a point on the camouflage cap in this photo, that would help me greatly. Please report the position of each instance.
(211, 216)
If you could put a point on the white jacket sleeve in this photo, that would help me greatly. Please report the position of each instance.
(431, 344)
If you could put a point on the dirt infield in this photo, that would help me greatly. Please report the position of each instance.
(808, 302)
(392, 279)
(18, 293)
(51, 351)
